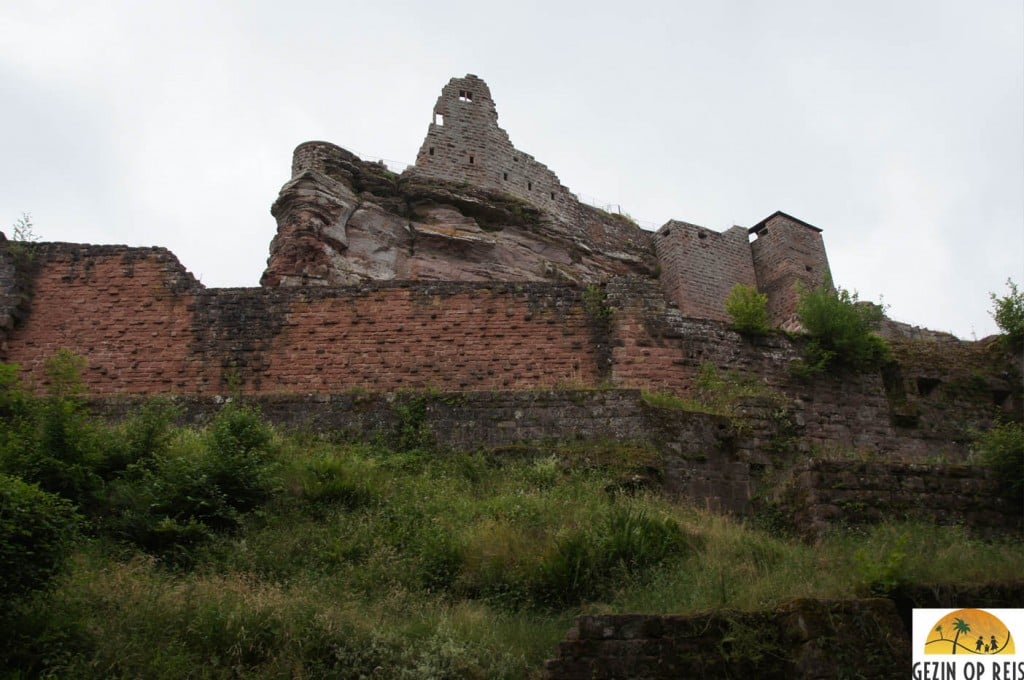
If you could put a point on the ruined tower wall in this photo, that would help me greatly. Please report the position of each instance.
(700, 266)
(465, 144)
(787, 253)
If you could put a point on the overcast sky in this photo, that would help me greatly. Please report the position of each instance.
(896, 126)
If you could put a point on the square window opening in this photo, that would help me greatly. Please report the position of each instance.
(439, 119)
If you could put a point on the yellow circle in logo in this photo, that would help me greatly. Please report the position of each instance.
(969, 631)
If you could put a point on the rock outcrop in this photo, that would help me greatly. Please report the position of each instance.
(342, 221)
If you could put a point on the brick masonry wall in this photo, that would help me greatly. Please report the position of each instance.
(146, 327)
(699, 267)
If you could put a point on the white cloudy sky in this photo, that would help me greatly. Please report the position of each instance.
(897, 126)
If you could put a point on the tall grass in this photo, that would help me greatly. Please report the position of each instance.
(357, 560)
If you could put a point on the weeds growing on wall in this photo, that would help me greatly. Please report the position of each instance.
(748, 310)
(841, 330)
(1002, 449)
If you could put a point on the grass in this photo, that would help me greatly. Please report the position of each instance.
(371, 562)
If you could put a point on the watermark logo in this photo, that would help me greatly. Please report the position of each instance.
(967, 644)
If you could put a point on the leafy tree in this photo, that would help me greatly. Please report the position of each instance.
(841, 329)
(748, 310)
(1008, 311)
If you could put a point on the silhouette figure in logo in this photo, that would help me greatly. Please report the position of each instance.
(981, 641)
(994, 645)
(986, 649)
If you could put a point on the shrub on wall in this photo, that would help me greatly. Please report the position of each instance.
(841, 329)
(1002, 450)
(748, 310)
(1008, 311)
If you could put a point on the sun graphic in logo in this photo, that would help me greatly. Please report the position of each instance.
(969, 631)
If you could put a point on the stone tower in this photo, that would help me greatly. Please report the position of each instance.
(788, 253)
(465, 144)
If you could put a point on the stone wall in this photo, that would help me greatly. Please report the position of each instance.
(147, 327)
(823, 494)
(699, 267)
(801, 639)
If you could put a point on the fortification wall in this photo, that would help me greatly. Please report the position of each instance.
(823, 494)
(700, 266)
(807, 639)
(147, 327)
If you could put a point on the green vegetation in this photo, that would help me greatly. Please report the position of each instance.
(595, 304)
(36, 529)
(237, 550)
(748, 310)
(1002, 450)
(841, 329)
(1008, 311)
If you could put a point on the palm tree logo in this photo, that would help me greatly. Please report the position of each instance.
(993, 637)
(960, 626)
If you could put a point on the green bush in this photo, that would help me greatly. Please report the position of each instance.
(748, 310)
(1002, 450)
(1008, 311)
(52, 441)
(586, 563)
(841, 329)
(171, 500)
(36, 530)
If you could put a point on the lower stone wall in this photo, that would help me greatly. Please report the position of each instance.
(801, 639)
(824, 494)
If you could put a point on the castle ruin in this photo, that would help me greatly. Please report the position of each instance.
(474, 207)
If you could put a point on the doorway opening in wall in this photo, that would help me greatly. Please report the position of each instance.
(438, 119)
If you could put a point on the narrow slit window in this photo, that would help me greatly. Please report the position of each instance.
(504, 176)
(471, 160)
(431, 151)
(529, 186)
(552, 195)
